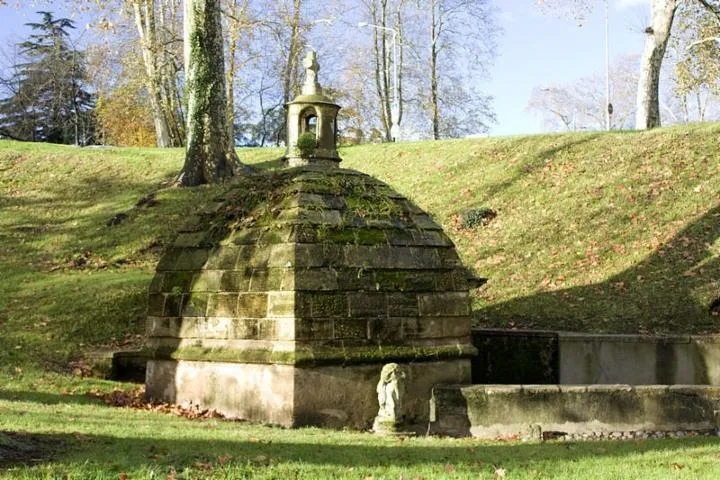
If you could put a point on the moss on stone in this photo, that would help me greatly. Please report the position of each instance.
(311, 356)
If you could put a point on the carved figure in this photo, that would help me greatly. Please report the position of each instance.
(390, 392)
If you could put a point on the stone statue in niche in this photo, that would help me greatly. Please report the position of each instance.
(390, 392)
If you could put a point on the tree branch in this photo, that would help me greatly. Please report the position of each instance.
(710, 8)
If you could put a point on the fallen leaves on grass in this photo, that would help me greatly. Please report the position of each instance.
(136, 399)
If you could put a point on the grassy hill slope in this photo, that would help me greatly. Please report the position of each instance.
(595, 232)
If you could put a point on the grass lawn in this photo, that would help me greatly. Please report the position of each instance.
(64, 434)
(596, 232)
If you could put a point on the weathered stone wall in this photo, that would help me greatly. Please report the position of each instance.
(314, 282)
(493, 411)
(530, 357)
(639, 359)
(515, 356)
(335, 266)
(331, 396)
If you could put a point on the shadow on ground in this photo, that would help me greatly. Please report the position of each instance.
(623, 298)
(138, 453)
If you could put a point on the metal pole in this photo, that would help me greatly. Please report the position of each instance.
(607, 65)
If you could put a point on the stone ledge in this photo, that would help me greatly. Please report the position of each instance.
(311, 356)
(529, 411)
(622, 338)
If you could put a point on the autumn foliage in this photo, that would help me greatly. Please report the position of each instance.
(124, 120)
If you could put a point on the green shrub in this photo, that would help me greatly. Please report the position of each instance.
(476, 217)
(306, 144)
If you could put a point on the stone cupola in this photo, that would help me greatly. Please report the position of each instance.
(283, 302)
(312, 113)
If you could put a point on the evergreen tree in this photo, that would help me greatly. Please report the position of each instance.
(48, 99)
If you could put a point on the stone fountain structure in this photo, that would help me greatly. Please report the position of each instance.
(283, 302)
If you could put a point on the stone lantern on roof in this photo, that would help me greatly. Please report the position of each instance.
(312, 114)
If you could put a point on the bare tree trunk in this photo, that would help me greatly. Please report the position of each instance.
(289, 72)
(381, 64)
(238, 23)
(145, 21)
(230, 74)
(399, 28)
(434, 33)
(168, 72)
(209, 157)
(657, 35)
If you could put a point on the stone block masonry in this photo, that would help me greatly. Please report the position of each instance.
(574, 411)
(322, 271)
(545, 357)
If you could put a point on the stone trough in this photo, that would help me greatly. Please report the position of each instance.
(576, 411)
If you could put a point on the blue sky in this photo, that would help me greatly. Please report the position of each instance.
(539, 49)
(535, 49)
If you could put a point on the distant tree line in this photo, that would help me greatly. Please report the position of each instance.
(133, 65)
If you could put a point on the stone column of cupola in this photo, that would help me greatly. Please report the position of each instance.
(312, 103)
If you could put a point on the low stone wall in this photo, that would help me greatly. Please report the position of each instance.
(545, 357)
(549, 411)
(639, 359)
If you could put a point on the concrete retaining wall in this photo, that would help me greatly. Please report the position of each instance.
(639, 359)
(496, 411)
(544, 357)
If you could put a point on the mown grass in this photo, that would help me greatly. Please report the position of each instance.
(595, 232)
(613, 233)
(70, 435)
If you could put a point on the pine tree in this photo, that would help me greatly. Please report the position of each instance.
(48, 100)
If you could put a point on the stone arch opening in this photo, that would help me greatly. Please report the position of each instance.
(309, 121)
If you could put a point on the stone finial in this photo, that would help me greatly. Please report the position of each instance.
(390, 392)
(311, 85)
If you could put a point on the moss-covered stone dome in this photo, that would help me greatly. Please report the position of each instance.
(305, 268)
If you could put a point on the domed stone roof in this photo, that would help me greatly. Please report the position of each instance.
(310, 267)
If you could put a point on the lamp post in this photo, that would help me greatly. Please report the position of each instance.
(395, 109)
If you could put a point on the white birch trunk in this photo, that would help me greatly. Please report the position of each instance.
(656, 39)
(145, 20)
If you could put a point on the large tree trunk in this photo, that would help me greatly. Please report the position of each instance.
(657, 35)
(209, 157)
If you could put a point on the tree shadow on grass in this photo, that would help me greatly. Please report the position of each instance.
(532, 164)
(22, 448)
(677, 283)
(274, 164)
(47, 398)
(353, 450)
